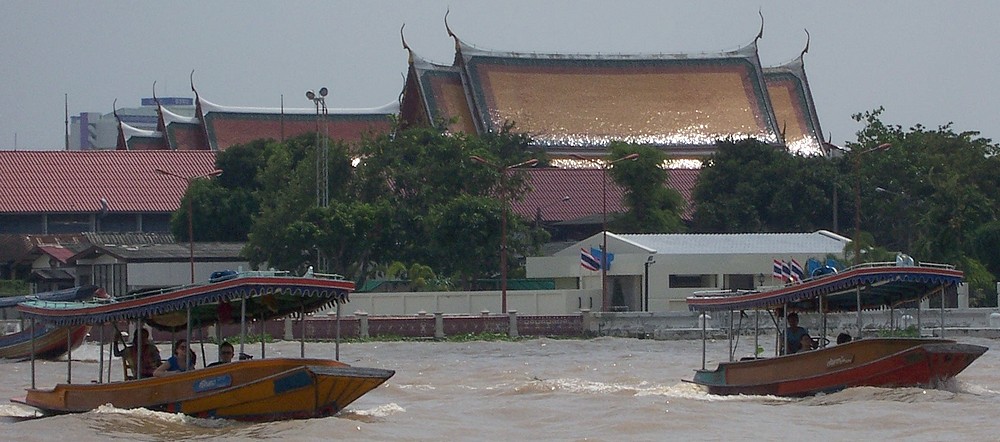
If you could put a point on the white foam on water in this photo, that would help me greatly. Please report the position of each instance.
(380, 411)
(15, 410)
(163, 417)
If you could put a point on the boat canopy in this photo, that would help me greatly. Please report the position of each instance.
(880, 284)
(266, 295)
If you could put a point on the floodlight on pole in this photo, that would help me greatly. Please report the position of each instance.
(857, 197)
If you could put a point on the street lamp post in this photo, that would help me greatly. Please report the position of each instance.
(857, 198)
(190, 207)
(503, 220)
(605, 301)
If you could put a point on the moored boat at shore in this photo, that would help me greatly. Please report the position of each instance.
(43, 340)
(877, 362)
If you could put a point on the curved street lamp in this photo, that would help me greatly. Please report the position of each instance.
(605, 165)
(857, 197)
(190, 179)
(505, 195)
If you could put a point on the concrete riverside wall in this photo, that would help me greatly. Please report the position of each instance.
(526, 302)
(981, 322)
(324, 328)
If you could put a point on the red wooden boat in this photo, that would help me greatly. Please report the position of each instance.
(50, 342)
(876, 362)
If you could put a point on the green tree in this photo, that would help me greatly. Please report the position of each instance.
(652, 206)
(750, 186)
(940, 198)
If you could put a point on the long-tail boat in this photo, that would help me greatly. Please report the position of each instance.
(876, 362)
(253, 390)
(46, 341)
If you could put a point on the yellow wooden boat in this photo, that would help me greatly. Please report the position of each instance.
(253, 390)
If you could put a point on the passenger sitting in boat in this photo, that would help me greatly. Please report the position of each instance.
(843, 338)
(182, 360)
(793, 334)
(150, 355)
(226, 353)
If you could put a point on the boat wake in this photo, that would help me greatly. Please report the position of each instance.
(371, 415)
(14, 413)
(126, 423)
(572, 385)
(870, 394)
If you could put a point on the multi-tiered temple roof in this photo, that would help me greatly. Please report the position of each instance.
(215, 127)
(576, 104)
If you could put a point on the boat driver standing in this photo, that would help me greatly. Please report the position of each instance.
(794, 334)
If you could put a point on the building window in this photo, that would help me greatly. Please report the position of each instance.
(693, 281)
(740, 282)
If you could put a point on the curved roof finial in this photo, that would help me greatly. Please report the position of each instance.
(446, 27)
(192, 83)
(403, 37)
(761, 33)
(806, 49)
(405, 46)
(114, 110)
(156, 100)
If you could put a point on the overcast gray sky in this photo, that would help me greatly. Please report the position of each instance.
(927, 62)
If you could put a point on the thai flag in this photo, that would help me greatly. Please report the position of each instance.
(797, 272)
(776, 271)
(588, 261)
(597, 253)
(786, 271)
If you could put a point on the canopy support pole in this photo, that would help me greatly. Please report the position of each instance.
(704, 337)
(302, 332)
(33, 324)
(784, 333)
(140, 355)
(243, 322)
(188, 338)
(730, 336)
(69, 355)
(942, 311)
(756, 331)
(822, 310)
(857, 292)
(100, 365)
(920, 327)
(339, 301)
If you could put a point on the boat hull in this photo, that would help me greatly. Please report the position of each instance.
(50, 342)
(254, 390)
(881, 362)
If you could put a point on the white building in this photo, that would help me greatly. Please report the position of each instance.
(673, 266)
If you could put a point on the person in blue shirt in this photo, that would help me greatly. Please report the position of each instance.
(182, 360)
(794, 335)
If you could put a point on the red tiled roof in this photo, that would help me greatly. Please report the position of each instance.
(76, 181)
(227, 128)
(583, 187)
(61, 253)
